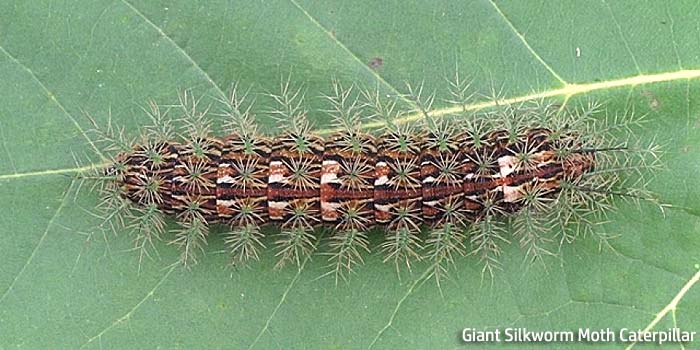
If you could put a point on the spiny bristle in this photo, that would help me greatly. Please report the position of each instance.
(151, 152)
(346, 250)
(113, 207)
(193, 209)
(615, 124)
(530, 231)
(511, 121)
(423, 102)
(486, 238)
(402, 246)
(577, 213)
(290, 111)
(248, 173)
(191, 239)
(291, 115)
(461, 94)
(194, 116)
(345, 108)
(112, 138)
(238, 115)
(406, 174)
(196, 171)
(443, 245)
(248, 212)
(484, 161)
(302, 172)
(149, 190)
(301, 215)
(356, 172)
(442, 136)
(401, 138)
(294, 245)
(244, 244)
(353, 215)
(380, 107)
(147, 225)
(161, 127)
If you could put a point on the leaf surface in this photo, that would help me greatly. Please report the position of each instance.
(63, 288)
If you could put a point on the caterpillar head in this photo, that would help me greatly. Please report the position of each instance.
(141, 174)
(578, 163)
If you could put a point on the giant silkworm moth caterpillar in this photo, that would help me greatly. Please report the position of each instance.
(435, 187)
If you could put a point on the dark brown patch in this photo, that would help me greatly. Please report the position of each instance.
(376, 62)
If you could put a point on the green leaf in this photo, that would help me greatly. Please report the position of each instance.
(63, 287)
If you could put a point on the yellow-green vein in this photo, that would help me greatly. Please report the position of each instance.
(567, 91)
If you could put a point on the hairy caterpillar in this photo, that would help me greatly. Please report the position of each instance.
(436, 188)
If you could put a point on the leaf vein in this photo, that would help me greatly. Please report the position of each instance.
(131, 311)
(566, 91)
(7, 151)
(622, 36)
(671, 306)
(41, 241)
(180, 49)
(48, 172)
(672, 29)
(409, 291)
(283, 298)
(521, 37)
(52, 97)
(640, 260)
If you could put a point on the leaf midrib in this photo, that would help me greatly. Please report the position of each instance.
(566, 92)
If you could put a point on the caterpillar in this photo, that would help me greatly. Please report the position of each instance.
(437, 187)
